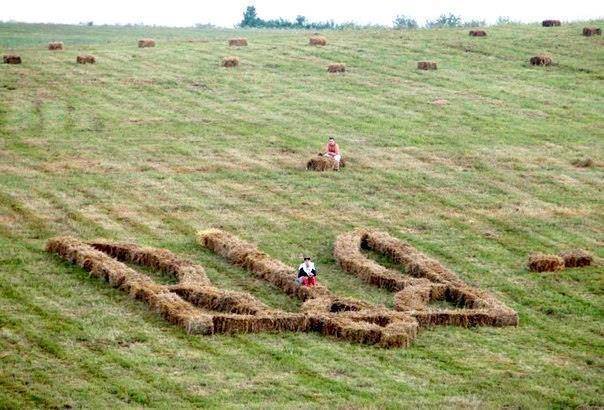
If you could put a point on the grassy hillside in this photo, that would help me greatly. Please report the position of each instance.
(150, 145)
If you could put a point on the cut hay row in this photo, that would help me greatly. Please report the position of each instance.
(177, 303)
(11, 59)
(230, 61)
(426, 281)
(55, 45)
(86, 59)
(247, 256)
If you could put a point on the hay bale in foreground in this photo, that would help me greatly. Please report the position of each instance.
(592, 31)
(317, 41)
(11, 59)
(336, 68)
(230, 61)
(539, 262)
(324, 163)
(426, 65)
(576, 258)
(55, 45)
(551, 23)
(478, 33)
(86, 59)
(146, 42)
(238, 41)
(541, 60)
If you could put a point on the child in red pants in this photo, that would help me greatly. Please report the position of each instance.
(307, 273)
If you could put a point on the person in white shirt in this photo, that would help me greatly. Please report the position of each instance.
(307, 273)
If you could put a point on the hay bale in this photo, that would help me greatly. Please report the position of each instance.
(55, 45)
(478, 33)
(541, 60)
(11, 59)
(583, 162)
(336, 68)
(238, 42)
(551, 23)
(539, 262)
(592, 31)
(146, 42)
(324, 163)
(426, 65)
(230, 61)
(86, 59)
(317, 41)
(576, 258)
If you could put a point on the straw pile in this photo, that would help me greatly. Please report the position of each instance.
(551, 23)
(336, 68)
(541, 59)
(317, 41)
(478, 33)
(55, 45)
(11, 59)
(426, 65)
(230, 61)
(592, 31)
(86, 59)
(238, 42)
(146, 42)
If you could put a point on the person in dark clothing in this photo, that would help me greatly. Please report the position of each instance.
(307, 273)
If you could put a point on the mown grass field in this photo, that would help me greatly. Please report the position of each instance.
(151, 145)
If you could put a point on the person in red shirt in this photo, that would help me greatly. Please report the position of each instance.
(333, 150)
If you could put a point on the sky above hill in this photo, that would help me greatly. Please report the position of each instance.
(227, 13)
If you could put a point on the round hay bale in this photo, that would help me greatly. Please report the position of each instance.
(11, 59)
(336, 68)
(478, 33)
(230, 61)
(426, 65)
(317, 41)
(238, 42)
(551, 23)
(592, 31)
(576, 258)
(541, 59)
(86, 59)
(146, 42)
(55, 45)
(323, 163)
(539, 262)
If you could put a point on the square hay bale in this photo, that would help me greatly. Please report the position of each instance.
(317, 41)
(539, 262)
(230, 61)
(55, 45)
(146, 42)
(478, 33)
(551, 23)
(576, 258)
(11, 59)
(541, 60)
(324, 163)
(426, 65)
(86, 59)
(336, 68)
(592, 31)
(238, 41)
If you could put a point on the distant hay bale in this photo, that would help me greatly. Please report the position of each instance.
(238, 41)
(576, 258)
(478, 33)
(86, 59)
(230, 61)
(146, 42)
(11, 59)
(55, 45)
(551, 23)
(541, 60)
(324, 163)
(426, 65)
(539, 262)
(592, 31)
(317, 41)
(583, 162)
(336, 68)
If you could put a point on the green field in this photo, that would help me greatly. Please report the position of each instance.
(151, 145)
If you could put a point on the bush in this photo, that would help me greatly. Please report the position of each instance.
(402, 22)
(444, 20)
(475, 23)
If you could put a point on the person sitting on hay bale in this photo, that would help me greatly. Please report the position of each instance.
(332, 150)
(307, 273)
